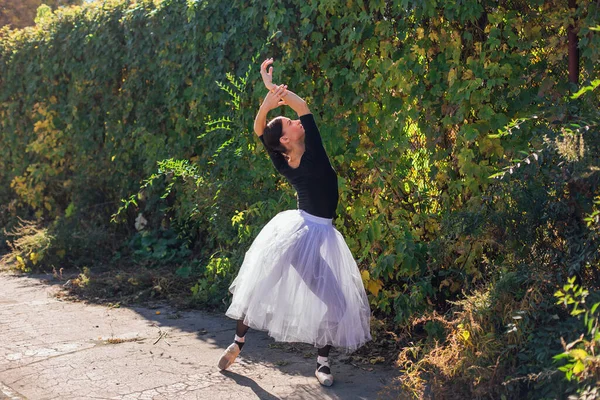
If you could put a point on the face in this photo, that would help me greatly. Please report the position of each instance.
(292, 131)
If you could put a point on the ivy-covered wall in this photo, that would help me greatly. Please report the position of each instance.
(461, 155)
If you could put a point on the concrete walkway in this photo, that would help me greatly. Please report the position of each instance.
(55, 349)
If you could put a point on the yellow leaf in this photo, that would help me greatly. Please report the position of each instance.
(418, 50)
(579, 367)
(20, 259)
(374, 287)
(451, 76)
(365, 275)
(34, 257)
(158, 313)
(465, 335)
(578, 354)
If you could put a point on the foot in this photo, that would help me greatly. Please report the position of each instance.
(229, 355)
(323, 374)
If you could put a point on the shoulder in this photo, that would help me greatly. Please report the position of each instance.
(308, 120)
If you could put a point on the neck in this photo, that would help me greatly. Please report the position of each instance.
(295, 151)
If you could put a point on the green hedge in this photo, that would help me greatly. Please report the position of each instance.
(450, 125)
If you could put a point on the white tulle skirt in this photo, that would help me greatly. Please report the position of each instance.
(300, 283)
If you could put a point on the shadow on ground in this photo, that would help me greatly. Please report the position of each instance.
(261, 353)
(250, 383)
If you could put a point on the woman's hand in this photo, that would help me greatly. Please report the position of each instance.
(274, 98)
(267, 76)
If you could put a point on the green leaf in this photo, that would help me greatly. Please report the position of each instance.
(184, 272)
(586, 89)
(560, 356)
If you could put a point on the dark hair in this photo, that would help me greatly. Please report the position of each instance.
(272, 134)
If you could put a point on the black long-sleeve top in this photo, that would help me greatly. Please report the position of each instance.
(315, 180)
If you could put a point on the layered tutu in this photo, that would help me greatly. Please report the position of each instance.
(300, 283)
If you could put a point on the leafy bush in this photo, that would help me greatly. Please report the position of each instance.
(501, 338)
(582, 362)
(468, 176)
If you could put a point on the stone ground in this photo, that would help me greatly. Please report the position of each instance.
(57, 349)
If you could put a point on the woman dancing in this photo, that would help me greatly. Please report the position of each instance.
(299, 281)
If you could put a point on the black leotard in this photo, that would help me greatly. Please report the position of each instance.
(315, 179)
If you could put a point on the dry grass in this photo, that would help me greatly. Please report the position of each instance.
(474, 358)
(28, 245)
(119, 340)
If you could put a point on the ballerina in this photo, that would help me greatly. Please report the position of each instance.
(299, 280)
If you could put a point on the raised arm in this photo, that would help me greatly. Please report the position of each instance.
(260, 122)
(296, 103)
(291, 99)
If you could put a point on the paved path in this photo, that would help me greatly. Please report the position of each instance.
(55, 349)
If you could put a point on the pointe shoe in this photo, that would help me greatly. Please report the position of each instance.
(229, 355)
(323, 374)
